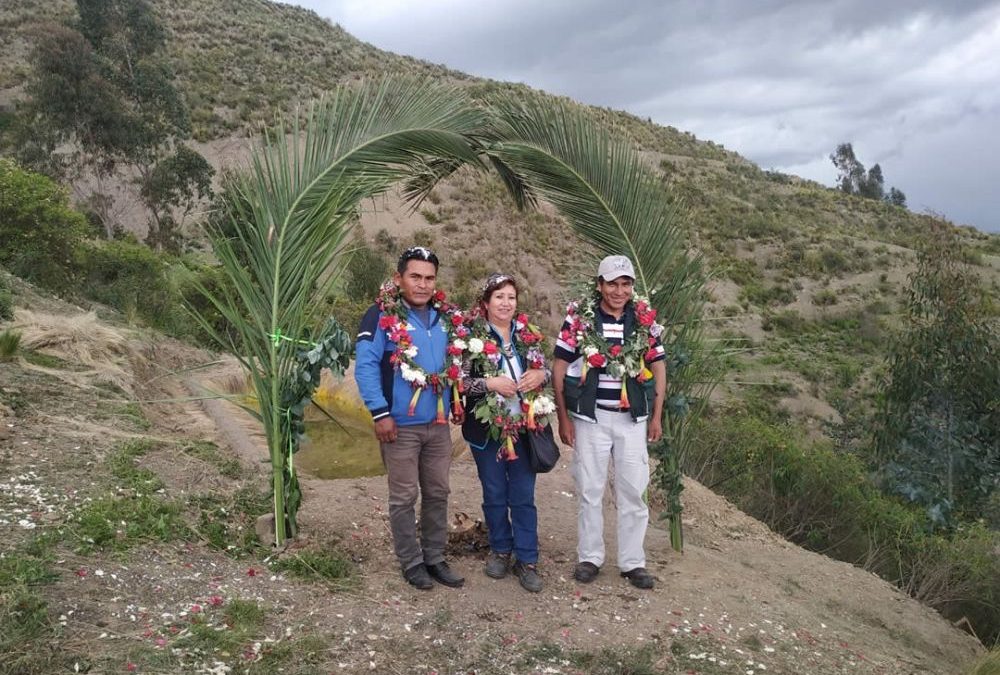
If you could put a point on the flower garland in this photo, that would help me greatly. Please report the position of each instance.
(396, 325)
(493, 409)
(628, 359)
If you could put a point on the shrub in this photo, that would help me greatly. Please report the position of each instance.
(124, 275)
(823, 499)
(38, 228)
(6, 300)
(10, 342)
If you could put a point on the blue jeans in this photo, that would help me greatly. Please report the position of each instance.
(509, 502)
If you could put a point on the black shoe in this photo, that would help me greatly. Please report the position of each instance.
(442, 574)
(585, 572)
(418, 577)
(639, 578)
(528, 576)
(497, 565)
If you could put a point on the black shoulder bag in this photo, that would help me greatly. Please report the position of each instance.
(543, 453)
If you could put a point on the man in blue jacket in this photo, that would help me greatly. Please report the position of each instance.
(415, 450)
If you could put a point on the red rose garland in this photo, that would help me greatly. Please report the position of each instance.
(395, 323)
(493, 410)
(619, 360)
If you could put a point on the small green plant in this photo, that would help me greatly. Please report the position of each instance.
(324, 566)
(122, 462)
(208, 451)
(118, 524)
(6, 300)
(25, 627)
(825, 298)
(10, 342)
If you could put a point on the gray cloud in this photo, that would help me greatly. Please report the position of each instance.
(914, 86)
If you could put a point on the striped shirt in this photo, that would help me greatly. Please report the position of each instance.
(608, 387)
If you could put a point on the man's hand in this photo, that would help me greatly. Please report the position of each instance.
(567, 433)
(654, 430)
(531, 380)
(385, 430)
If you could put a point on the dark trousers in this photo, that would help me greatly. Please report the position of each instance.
(509, 502)
(417, 463)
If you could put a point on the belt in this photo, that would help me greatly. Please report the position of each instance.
(617, 410)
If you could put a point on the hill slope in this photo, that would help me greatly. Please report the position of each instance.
(167, 596)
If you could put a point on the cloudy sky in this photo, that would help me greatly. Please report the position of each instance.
(915, 86)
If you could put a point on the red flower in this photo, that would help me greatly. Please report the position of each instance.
(453, 372)
(215, 600)
(195, 608)
(251, 572)
(490, 347)
(130, 667)
(438, 296)
(651, 354)
(615, 350)
(648, 318)
(457, 320)
(596, 360)
(387, 322)
(454, 351)
(652, 341)
(522, 319)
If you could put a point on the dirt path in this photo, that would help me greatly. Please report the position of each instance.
(739, 599)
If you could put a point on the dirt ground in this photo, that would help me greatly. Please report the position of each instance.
(738, 600)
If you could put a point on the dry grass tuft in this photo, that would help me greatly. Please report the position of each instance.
(80, 340)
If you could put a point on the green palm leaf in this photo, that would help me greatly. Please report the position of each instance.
(291, 211)
(615, 202)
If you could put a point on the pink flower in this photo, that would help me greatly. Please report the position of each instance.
(195, 608)
(251, 572)
(215, 600)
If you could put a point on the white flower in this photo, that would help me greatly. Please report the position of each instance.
(410, 374)
(590, 351)
(544, 405)
(475, 346)
(656, 330)
(411, 351)
(459, 343)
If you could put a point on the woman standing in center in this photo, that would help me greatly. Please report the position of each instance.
(504, 470)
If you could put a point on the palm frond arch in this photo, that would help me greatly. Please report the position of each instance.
(292, 211)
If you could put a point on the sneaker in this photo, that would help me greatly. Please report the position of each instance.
(639, 578)
(497, 565)
(418, 577)
(527, 574)
(585, 572)
(442, 574)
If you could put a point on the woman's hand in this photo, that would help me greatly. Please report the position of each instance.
(502, 385)
(531, 380)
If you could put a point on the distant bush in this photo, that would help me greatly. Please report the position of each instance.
(10, 342)
(38, 229)
(6, 300)
(823, 499)
(125, 275)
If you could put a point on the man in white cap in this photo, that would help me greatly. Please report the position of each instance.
(607, 417)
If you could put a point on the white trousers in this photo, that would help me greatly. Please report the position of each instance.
(617, 437)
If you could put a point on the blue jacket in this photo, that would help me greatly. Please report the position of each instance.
(382, 388)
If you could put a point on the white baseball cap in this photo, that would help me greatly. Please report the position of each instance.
(615, 266)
